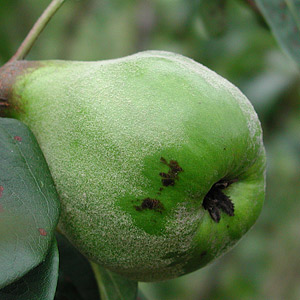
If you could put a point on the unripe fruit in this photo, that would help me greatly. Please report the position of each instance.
(158, 161)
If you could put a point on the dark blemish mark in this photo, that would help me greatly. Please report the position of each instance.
(152, 204)
(224, 148)
(161, 189)
(227, 226)
(18, 138)
(168, 179)
(203, 253)
(42, 232)
(215, 200)
(1, 190)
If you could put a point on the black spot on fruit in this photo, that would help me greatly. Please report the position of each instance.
(152, 204)
(215, 200)
(168, 179)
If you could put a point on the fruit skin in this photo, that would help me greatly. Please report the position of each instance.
(109, 131)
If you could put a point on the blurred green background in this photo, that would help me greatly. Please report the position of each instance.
(233, 40)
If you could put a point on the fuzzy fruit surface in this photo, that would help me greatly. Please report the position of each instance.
(134, 145)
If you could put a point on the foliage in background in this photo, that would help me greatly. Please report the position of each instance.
(266, 263)
(284, 19)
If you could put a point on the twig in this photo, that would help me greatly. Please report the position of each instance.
(36, 30)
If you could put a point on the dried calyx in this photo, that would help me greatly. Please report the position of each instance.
(215, 200)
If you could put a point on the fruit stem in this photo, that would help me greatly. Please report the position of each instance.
(36, 30)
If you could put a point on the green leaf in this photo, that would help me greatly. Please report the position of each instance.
(76, 277)
(113, 286)
(283, 16)
(29, 205)
(39, 283)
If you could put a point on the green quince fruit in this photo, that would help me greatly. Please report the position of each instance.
(158, 161)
